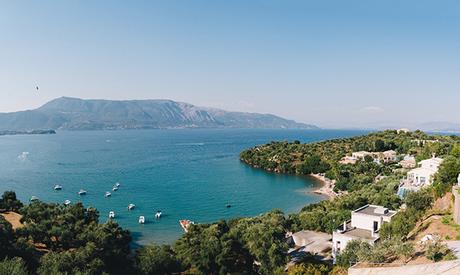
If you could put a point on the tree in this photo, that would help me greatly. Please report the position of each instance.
(355, 251)
(14, 266)
(448, 171)
(9, 202)
(6, 238)
(154, 259)
(419, 201)
(83, 260)
(309, 269)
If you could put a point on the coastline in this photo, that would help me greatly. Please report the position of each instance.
(327, 186)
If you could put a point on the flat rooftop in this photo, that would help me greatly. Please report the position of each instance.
(357, 232)
(375, 210)
(361, 233)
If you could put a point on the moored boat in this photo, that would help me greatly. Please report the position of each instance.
(158, 214)
(141, 219)
(131, 206)
(82, 192)
(57, 187)
(117, 184)
(107, 194)
(67, 202)
(111, 215)
(115, 188)
(33, 198)
(185, 224)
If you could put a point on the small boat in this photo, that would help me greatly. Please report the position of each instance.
(33, 198)
(111, 215)
(117, 184)
(67, 202)
(158, 215)
(131, 206)
(82, 192)
(114, 188)
(141, 219)
(185, 224)
(107, 194)
(229, 205)
(57, 187)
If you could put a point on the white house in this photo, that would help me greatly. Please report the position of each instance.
(385, 157)
(364, 225)
(424, 175)
(421, 176)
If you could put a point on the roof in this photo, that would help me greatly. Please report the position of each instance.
(423, 170)
(355, 233)
(375, 210)
(361, 233)
(313, 242)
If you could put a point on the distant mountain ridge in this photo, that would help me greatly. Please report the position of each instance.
(81, 114)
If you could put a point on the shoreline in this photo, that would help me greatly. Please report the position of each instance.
(326, 188)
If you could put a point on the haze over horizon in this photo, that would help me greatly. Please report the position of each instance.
(335, 64)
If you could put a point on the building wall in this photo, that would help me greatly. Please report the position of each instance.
(340, 242)
(363, 221)
(456, 212)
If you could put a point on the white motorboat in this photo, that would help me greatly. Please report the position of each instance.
(67, 202)
(57, 187)
(117, 184)
(141, 219)
(131, 206)
(107, 194)
(33, 198)
(114, 188)
(158, 215)
(111, 215)
(82, 192)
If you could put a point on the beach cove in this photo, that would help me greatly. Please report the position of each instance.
(188, 174)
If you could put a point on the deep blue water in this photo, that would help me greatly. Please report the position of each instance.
(188, 174)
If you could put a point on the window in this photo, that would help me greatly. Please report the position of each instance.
(376, 226)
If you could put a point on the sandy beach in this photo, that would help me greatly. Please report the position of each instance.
(327, 188)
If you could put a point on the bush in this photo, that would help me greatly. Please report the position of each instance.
(437, 251)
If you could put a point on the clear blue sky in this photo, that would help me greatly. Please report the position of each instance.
(333, 63)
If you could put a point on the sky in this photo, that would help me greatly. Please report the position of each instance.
(336, 64)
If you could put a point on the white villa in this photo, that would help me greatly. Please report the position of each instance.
(385, 157)
(364, 225)
(421, 176)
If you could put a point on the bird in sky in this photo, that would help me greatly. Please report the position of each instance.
(36, 87)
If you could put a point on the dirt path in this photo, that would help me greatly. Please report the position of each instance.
(14, 219)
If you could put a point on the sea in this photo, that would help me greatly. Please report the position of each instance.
(184, 173)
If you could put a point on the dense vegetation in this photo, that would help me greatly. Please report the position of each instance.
(58, 239)
(324, 157)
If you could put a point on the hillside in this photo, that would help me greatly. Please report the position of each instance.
(79, 114)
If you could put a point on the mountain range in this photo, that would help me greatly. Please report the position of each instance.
(67, 113)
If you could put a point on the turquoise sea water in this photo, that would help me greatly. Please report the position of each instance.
(188, 174)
